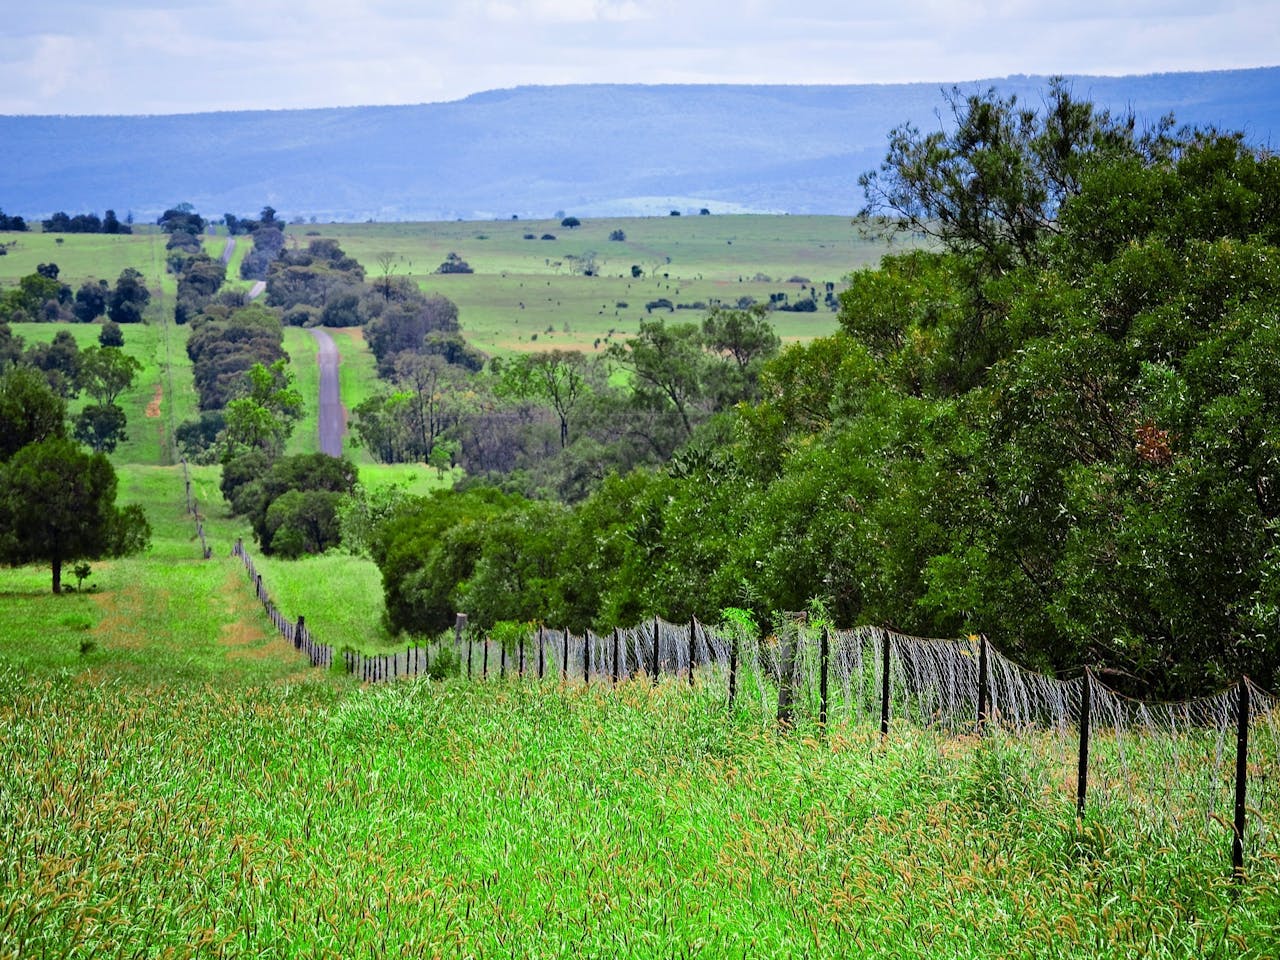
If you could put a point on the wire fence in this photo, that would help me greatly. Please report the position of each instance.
(1207, 765)
(193, 508)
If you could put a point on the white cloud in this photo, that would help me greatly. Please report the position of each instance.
(116, 56)
(561, 11)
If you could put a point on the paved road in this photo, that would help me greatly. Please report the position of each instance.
(333, 418)
(256, 290)
(228, 250)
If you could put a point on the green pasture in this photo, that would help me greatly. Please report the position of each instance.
(155, 396)
(273, 812)
(82, 256)
(300, 345)
(526, 294)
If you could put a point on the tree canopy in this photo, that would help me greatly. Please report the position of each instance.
(1054, 424)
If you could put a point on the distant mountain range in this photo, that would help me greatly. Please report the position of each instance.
(590, 150)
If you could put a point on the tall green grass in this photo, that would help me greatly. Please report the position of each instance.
(502, 819)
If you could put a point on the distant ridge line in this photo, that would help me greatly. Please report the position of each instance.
(591, 149)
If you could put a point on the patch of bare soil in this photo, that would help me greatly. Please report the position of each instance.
(153, 407)
(242, 633)
(118, 610)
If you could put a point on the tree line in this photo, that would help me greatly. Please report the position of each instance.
(1054, 424)
(41, 297)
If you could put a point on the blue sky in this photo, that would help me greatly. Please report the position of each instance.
(148, 56)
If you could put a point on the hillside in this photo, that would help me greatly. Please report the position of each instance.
(596, 150)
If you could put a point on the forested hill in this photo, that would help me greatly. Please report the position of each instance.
(531, 151)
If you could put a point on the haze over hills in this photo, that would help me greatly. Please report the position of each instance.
(591, 150)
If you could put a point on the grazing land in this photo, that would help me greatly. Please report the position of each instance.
(175, 780)
(530, 294)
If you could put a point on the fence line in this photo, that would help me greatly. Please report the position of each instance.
(193, 508)
(1168, 762)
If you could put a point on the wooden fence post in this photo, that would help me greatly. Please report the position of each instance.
(542, 650)
(586, 657)
(1082, 764)
(614, 675)
(297, 632)
(564, 662)
(484, 675)
(1242, 776)
(502, 661)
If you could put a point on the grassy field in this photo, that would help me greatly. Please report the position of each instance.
(530, 294)
(170, 794)
(81, 256)
(526, 295)
(175, 781)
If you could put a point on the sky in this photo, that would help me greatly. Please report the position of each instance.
(186, 56)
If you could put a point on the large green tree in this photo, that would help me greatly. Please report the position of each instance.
(57, 505)
(29, 410)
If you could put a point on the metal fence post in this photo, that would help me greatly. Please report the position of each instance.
(984, 683)
(886, 641)
(1242, 776)
(1082, 766)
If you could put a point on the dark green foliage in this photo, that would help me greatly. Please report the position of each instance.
(30, 411)
(225, 343)
(57, 505)
(100, 426)
(273, 499)
(310, 276)
(990, 186)
(59, 360)
(238, 476)
(197, 438)
(36, 299)
(129, 298)
(181, 219)
(10, 346)
(454, 264)
(301, 522)
(91, 300)
(268, 243)
(62, 222)
(404, 325)
(1055, 426)
(111, 335)
(426, 549)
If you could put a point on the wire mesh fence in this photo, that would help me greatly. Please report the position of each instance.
(1206, 766)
